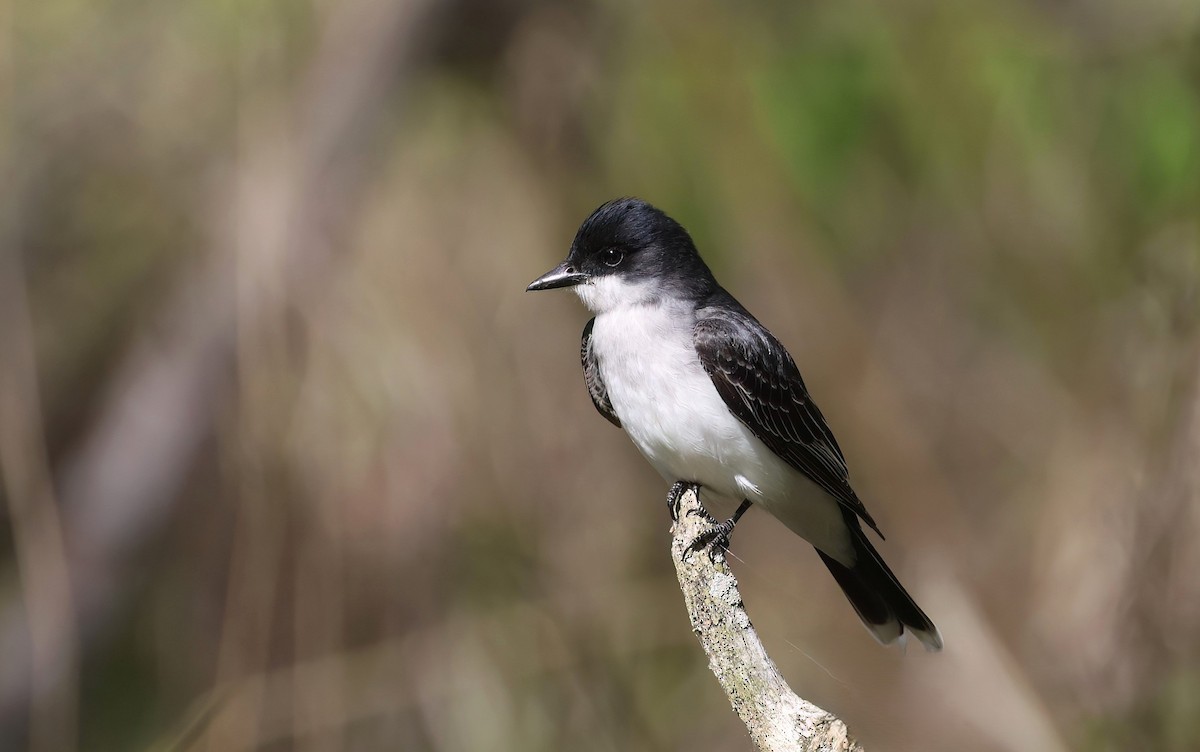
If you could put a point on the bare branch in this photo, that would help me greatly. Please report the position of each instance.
(778, 720)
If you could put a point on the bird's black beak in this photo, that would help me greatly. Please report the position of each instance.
(563, 275)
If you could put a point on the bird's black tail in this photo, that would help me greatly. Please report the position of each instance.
(880, 600)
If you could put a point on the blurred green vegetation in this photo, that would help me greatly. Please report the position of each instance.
(321, 477)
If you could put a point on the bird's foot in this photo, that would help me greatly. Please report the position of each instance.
(717, 537)
(675, 495)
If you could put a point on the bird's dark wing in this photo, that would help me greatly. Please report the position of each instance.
(759, 382)
(591, 377)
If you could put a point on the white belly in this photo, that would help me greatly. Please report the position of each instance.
(669, 407)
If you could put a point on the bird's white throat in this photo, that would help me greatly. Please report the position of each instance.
(611, 292)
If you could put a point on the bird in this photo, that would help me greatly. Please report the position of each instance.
(711, 398)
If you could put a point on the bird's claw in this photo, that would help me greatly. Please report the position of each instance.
(675, 496)
(716, 539)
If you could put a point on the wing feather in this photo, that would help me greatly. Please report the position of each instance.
(591, 377)
(759, 382)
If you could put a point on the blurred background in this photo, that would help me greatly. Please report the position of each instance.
(291, 462)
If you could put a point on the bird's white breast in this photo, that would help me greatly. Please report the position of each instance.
(671, 410)
(665, 400)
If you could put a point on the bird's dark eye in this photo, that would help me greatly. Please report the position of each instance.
(611, 256)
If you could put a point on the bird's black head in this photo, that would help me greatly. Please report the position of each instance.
(628, 252)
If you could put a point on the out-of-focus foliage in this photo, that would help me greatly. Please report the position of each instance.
(291, 461)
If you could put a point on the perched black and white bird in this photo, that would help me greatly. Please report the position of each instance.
(711, 398)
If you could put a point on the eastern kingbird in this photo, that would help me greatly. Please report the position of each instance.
(711, 398)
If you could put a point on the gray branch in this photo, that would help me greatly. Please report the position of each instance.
(778, 720)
